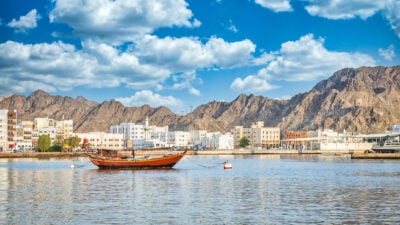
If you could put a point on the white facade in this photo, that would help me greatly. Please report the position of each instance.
(3, 130)
(65, 128)
(130, 131)
(102, 140)
(51, 131)
(218, 140)
(197, 136)
(141, 136)
(396, 128)
(178, 139)
(44, 122)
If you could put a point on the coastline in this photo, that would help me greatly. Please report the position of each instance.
(353, 154)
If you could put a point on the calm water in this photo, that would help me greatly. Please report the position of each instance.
(258, 190)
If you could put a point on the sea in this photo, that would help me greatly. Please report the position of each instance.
(259, 189)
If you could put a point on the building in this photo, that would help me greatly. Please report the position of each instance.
(44, 122)
(217, 140)
(51, 127)
(258, 135)
(3, 130)
(141, 135)
(179, 139)
(12, 129)
(102, 140)
(24, 136)
(291, 136)
(65, 128)
(197, 136)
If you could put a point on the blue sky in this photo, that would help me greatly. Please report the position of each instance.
(181, 54)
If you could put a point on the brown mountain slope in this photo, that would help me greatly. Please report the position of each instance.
(366, 100)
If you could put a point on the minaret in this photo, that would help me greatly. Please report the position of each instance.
(146, 122)
(146, 128)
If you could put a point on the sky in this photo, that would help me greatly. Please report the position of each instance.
(184, 53)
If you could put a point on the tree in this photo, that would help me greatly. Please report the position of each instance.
(59, 140)
(44, 143)
(55, 148)
(244, 142)
(72, 142)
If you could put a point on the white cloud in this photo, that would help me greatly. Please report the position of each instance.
(263, 59)
(229, 55)
(232, 27)
(344, 9)
(392, 14)
(276, 5)
(29, 21)
(189, 53)
(252, 84)
(121, 20)
(303, 59)
(153, 99)
(147, 64)
(308, 59)
(62, 67)
(388, 54)
(347, 9)
(194, 91)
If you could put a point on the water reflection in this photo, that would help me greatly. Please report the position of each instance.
(259, 190)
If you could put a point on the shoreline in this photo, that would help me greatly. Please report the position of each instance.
(353, 155)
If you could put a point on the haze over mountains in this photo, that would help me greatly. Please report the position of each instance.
(363, 100)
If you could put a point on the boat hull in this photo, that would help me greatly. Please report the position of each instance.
(165, 162)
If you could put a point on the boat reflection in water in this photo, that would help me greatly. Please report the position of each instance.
(113, 159)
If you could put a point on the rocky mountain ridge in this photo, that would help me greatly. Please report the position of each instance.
(363, 100)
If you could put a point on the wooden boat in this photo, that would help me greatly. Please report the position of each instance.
(110, 159)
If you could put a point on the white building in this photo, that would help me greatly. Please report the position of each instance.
(51, 131)
(141, 135)
(65, 128)
(396, 128)
(178, 139)
(24, 136)
(102, 140)
(130, 131)
(217, 140)
(197, 136)
(3, 130)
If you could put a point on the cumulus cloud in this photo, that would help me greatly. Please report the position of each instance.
(344, 9)
(252, 84)
(63, 67)
(300, 60)
(24, 23)
(276, 5)
(146, 64)
(392, 14)
(121, 20)
(347, 9)
(388, 54)
(189, 53)
(153, 99)
(308, 59)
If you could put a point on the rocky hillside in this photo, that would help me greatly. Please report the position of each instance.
(365, 100)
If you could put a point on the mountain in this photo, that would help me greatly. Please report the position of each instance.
(363, 100)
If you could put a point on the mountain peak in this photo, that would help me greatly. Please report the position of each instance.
(39, 93)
